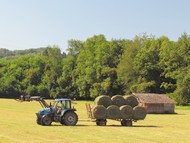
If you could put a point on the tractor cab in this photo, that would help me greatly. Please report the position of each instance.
(62, 102)
(61, 105)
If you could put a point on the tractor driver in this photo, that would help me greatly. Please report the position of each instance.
(60, 106)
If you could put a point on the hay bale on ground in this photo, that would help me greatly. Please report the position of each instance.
(103, 100)
(113, 112)
(126, 112)
(118, 100)
(139, 113)
(99, 112)
(131, 100)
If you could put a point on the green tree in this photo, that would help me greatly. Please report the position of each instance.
(168, 64)
(53, 70)
(175, 58)
(96, 63)
(182, 92)
(67, 87)
(126, 69)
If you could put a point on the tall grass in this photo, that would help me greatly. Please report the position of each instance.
(18, 125)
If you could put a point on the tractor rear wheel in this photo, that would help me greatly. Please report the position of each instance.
(62, 121)
(46, 120)
(70, 118)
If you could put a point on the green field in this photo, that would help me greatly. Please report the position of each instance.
(18, 125)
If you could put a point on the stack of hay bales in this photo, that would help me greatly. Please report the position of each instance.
(113, 112)
(131, 100)
(118, 107)
(99, 112)
(139, 113)
(118, 100)
(126, 112)
(103, 100)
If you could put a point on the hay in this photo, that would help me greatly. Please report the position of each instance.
(118, 100)
(113, 112)
(99, 112)
(126, 112)
(131, 100)
(103, 100)
(139, 113)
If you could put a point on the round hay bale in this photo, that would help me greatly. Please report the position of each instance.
(126, 112)
(99, 112)
(103, 100)
(131, 100)
(113, 112)
(118, 100)
(139, 113)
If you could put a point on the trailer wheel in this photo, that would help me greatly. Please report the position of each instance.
(126, 122)
(70, 118)
(101, 122)
(123, 122)
(129, 123)
(46, 120)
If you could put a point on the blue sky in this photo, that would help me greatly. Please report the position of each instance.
(28, 24)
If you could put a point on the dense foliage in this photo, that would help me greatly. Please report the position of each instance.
(97, 66)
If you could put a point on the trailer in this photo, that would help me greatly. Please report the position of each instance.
(103, 121)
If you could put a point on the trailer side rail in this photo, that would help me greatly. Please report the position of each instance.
(89, 111)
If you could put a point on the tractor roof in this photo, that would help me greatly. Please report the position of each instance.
(63, 99)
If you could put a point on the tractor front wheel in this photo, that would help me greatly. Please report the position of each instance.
(46, 120)
(38, 121)
(70, 118)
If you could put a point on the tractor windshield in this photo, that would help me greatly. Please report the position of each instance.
(63, 104)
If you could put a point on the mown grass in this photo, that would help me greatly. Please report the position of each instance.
(18, 125)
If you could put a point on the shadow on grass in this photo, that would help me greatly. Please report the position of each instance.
(83, 124)
(147, 126)
(107, 126)
(135, 126)
(166, 114)
(78, 125)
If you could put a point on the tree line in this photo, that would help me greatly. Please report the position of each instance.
(99, 66)
(4, 53)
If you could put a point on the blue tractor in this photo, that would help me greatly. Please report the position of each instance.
(61, 111)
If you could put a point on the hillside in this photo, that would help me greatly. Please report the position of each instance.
(6, 53)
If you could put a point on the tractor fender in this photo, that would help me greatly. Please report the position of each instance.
(67, 110)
